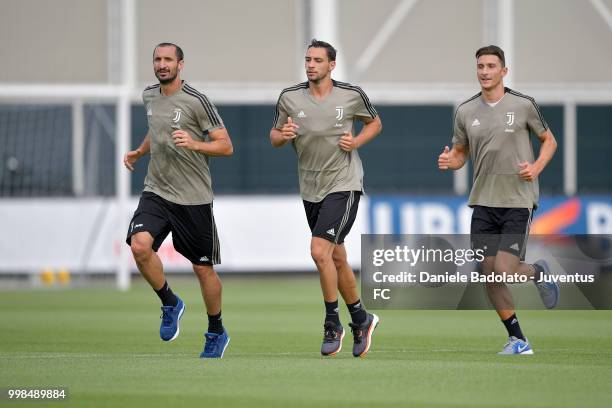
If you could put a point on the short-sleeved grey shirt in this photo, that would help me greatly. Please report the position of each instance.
(177, 174)
(498, 139)
(323, 167)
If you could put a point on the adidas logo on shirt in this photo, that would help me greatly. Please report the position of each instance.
(331, 232)
(476, 122)
(301, 114)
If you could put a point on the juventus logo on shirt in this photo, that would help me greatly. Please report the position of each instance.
(339, 116)
(509, 122)
(176, 119)
(339, 112)
(177, 116)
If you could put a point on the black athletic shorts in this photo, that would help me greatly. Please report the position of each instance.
(500, 229)
(333, 217)
(194, 234)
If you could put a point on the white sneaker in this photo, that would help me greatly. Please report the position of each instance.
(516, 346)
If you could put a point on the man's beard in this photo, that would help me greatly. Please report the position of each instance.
(167, 80)
(316, 80)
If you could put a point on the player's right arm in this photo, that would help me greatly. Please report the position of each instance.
(453, 159)
(133, 155)
(283, 128)
(279, 137)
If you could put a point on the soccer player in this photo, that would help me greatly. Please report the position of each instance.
(184, 131)
(317, 118)
(493, 128)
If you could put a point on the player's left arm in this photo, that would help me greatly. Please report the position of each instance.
(219, 144)
(531, 171)
(372, 128)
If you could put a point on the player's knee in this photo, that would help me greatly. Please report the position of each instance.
(339, 259)
(319, 254)
(500, 267)
(141, 249)
(204, 271)
(488, 265)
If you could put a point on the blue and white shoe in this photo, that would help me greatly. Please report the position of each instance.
(549, 291)
(169, 329)
(516, 346)
(215, 345)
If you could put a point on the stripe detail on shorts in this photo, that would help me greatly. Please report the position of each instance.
(524, 248)
(216, 250)
(347, 213)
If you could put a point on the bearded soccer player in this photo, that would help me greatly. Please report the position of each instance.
(493, 128)
(184, 131)
(316, 117)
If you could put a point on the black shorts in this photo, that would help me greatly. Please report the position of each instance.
(194, 234)
(333, 217)
(500, 229)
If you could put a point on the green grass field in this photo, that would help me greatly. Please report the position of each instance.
(103, 346)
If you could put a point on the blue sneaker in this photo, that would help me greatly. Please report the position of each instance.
(516, 346)
(215, 345)
(549, 291)
(169, 329)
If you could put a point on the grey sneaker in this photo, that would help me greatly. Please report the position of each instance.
(549, 291)
(362, 334)
(516, 346)
(332, 339)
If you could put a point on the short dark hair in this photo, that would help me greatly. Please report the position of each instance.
(177, 49)
(331, 51)
(492, 50)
